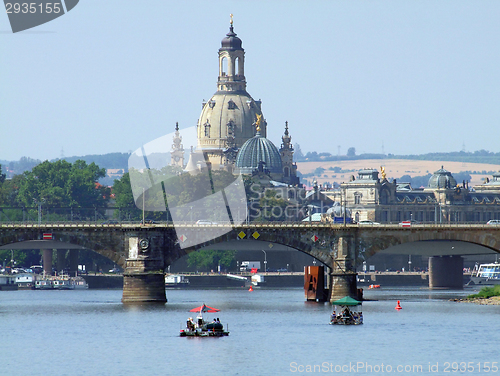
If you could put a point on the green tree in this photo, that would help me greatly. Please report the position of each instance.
(2, 176)
(207, 260)
(22, 258)
(62, 184)
(318, 171)
(9, 207)
(351, 152)
(272, 208)
(124, 199)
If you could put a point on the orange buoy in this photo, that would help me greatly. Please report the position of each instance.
(250, 289)
(398, 307)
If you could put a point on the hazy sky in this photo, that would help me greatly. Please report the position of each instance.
(393, 76)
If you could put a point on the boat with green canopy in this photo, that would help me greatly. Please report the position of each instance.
(346, 312)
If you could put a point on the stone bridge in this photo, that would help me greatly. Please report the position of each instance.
(145, 251)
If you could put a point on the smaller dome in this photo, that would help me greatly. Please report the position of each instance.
(255, 151)
(231, 41)
(495, 180)
(442, 179)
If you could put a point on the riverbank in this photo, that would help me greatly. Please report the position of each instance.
(494, 300)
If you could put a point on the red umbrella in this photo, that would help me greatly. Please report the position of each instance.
(204, 308)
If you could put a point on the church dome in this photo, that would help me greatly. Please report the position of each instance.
(256, 150)
(442, 179)
(228, 114)
(231, 41)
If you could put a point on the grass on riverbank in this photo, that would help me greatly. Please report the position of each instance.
(486, 292)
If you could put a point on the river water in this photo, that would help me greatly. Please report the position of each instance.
(273, 332)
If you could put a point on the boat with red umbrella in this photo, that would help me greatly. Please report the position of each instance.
(202, 328)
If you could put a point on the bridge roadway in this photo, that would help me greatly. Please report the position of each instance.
(145, 251)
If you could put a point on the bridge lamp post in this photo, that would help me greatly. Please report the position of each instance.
(265, 260)
(310, 207)
(39, 203)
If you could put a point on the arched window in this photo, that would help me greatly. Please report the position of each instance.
(237, 66)
(357, 198)
(207, 129)
(223, 66)
(286, 172)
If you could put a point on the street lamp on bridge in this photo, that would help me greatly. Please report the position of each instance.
(39, 203)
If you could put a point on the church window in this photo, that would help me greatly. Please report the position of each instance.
(223, 66)
(238, 67)
(211, 103)
(207, 129)
(231, 105)
(286, 172)
(357, 198)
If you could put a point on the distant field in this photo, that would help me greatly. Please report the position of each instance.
(395, 168)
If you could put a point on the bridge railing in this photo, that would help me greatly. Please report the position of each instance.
(289, 224)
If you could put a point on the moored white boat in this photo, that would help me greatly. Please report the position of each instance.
(176, 281)
(43, 284)
(62, 282)
(485, 274)
(258, 280)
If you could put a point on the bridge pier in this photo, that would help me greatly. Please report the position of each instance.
(446, 272)
(343, 276)
(143, 277)
(61, 260)
(47, 261)
(73, 261)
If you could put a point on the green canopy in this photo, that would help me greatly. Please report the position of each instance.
(346, 301)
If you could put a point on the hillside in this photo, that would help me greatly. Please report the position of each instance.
(394, 168)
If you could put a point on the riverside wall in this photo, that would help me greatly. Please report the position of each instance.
(106, 281)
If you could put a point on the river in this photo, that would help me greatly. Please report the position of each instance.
(272, 332)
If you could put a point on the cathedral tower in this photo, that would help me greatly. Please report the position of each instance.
(286, 154)
(177, 152)
(227, 119)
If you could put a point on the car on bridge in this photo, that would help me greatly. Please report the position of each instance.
(205, 222)
(493, 222)
(369, 223)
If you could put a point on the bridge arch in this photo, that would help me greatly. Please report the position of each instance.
(373, 243)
